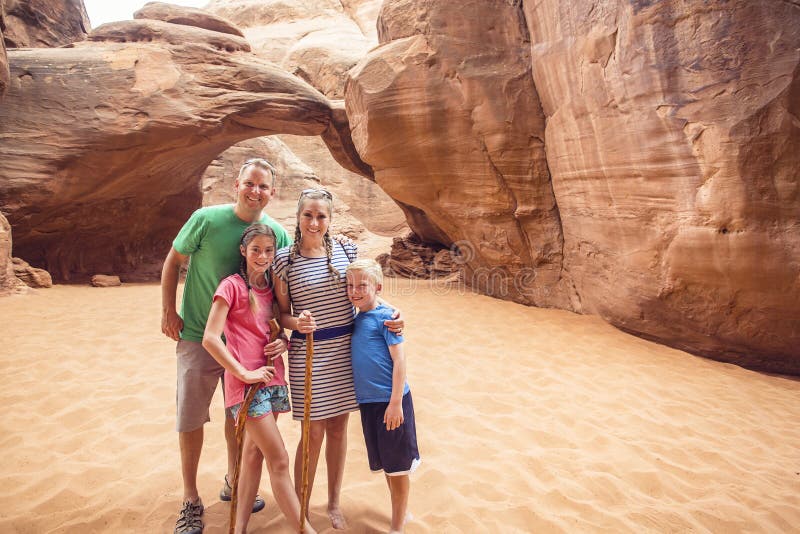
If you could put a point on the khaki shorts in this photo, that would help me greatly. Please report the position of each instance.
(198, 376)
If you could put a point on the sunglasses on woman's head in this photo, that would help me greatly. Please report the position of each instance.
(325, 193)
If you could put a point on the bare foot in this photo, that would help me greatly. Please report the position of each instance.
(337, 518)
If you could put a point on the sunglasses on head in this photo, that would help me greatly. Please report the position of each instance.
(324, 192)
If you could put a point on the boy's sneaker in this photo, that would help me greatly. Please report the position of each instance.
(225, 495)
(189, 521)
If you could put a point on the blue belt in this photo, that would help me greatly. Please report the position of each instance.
(322, 334)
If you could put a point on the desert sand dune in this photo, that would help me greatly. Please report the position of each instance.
(529, 420)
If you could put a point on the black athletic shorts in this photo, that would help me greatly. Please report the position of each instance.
(392, 451)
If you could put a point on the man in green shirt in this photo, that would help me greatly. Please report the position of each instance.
(210, 241)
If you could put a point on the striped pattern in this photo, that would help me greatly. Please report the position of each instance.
(311, 288)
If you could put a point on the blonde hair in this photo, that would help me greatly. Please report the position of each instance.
(369, 267)
(327, 198)
(258, 163)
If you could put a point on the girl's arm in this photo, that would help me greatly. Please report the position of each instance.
(212, 342)
(393, 417)
(304, 323)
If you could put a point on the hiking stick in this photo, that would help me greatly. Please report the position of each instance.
(274, 330)
(306, 428)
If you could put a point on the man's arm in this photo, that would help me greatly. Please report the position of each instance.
(171, 322)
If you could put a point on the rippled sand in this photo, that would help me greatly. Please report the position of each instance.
(528, 420)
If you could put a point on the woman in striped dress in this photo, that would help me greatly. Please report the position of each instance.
(312, 295)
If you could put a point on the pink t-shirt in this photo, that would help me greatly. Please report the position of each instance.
(246, 334)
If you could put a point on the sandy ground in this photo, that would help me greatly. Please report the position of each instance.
(529, 420)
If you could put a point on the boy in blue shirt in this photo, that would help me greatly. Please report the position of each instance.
(384, 398)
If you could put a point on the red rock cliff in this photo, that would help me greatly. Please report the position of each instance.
(641, 157)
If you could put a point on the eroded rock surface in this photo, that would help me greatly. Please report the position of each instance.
(187, 16)
(446, 113)
(44, 23)
(320, 42)
(31, 276)
(9, 283)
(104, 143)
(667, 198)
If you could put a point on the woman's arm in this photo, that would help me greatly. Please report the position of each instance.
(304, 323)
(212, 342)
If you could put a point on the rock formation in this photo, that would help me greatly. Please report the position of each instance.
(104, 143)
(31, 276)
(9, 283)
(4, 73)
(43, 23)
(446, 113)
(641, 159)
(187, 16)
(320, 42)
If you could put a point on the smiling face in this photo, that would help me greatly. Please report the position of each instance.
(258, 254)
(314, 218)
(362, 290)
(254, 189)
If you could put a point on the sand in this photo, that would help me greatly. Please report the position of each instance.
(529, 420)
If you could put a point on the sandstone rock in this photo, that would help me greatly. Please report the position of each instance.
(105, 280)
(672, 142)
(9, 283)
(31, 276)
(317, 40)
(320, 41)
(4, 73)
(446, 113)
(187, 16)
(44, 23)
(148, 31)
(104, 143)
(674, 147)
(411, 258)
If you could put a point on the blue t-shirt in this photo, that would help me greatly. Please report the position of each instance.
(372, 363)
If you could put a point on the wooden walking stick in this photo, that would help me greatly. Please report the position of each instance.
(274, 331)
(306, 429)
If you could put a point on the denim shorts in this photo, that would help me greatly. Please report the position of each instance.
(267, 400)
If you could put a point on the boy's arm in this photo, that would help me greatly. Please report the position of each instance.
(393, 417)
(212, 342)
(171, 322)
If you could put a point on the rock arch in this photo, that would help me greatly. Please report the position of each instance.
(104, 142)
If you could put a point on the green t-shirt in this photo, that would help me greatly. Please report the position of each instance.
(211, 238)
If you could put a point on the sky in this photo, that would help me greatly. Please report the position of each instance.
(102, 11)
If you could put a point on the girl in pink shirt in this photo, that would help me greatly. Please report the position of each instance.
(241, 309)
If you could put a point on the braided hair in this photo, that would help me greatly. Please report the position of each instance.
(294, 251)
(250, 233)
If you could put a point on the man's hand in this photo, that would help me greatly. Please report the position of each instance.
(171, 324)
(343, 239)
(393, 416)
(275, 348)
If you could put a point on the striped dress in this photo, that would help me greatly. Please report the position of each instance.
(311, 288)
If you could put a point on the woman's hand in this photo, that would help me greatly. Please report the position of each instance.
(306, 323)
(262, 374)
(396, 323)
